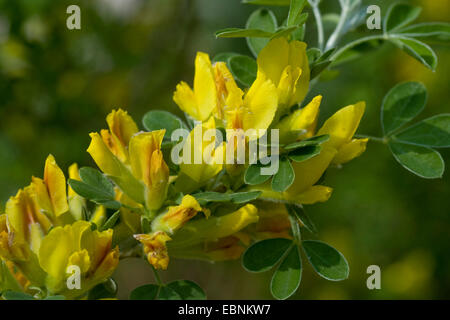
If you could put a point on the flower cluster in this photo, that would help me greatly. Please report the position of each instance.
(206, 210)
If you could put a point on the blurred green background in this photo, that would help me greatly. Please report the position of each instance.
(57, 85)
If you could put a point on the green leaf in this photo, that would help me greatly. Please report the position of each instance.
(285, 176)
(300, 214)
(187, 290)
(424, 162)
(86, 191)
(287, 277)
(7, 280)
(400, 15)
(224, 57)
(295, 11)
(244, 197)
(97, 180)
(285, 32)
(253, 174)
(158, 119)
(304, 153)
(313, 141)
(242, 33)
(12, 295)
(111, 222)
(145, 292)
(167, 293)
(244, 69)
(318, 68)
(261, 19)
(432, 132)
(57, 297)
(326, 260)
(418, 50)
(107, 289)
(432, 31)
(313, 54)
(239, 197)
(402, 104)
(268, 2)
(263, 255)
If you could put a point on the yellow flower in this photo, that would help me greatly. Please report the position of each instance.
(202, 100)
(340, 148)
(273, 222)
(121, 128)
(301, 124)
(76, 202)
(286, 65)
(202, 160)
(148, 165)
(77, 245)
(51, 191)
(177, 216)
(133, 160)
(216, 93)
(155, 248)
(252, 110)
(212, 229)
(341, 127)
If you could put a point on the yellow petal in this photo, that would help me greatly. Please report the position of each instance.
(56, 185)
(200, 102)
(314, 194)
(260, 104)
(103, 157)
(228, 93)
(80, 259)
(350, 150)
(142, 147)
(74, 175)
(342, 125)
(215, 228)
(310, 171)
(298, 59)
(305, 119)
(122, 126)
(177, 216)
(203, 171)
(155, 248)
(274, 58)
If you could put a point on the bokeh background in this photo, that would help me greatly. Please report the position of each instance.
(57, 85)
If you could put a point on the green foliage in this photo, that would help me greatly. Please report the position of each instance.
(424, 162)
(418, 50)
(432, 132)
(239, 197)
(402, 104)
(13, 295)
(105, 290)
(300, 213)
(326, 260)
(253, 174)
(243, 69)
(400, 15)
(264, 255)
(304, 153)
(95, 187)
(111, 222)
(264, 20)
(411, 146)
(287, 277)
(176, 290)
(145, 292)
(284, 177)
(313, 141)
(157, 120)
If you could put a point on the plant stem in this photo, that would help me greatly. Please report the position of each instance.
(157, 278)
(377, 139)
(332, 41)
(350, 45)
(318, 17)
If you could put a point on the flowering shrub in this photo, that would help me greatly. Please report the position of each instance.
(203, 187)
